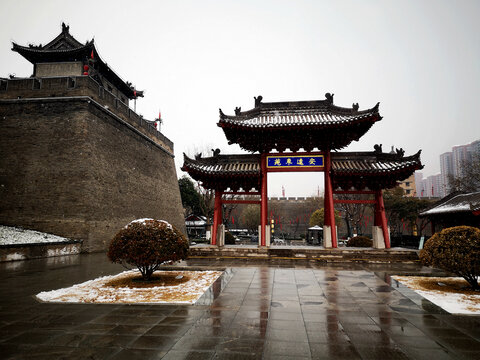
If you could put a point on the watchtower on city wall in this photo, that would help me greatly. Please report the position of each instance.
(75, 160)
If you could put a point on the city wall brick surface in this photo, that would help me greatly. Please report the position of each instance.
(72, 168)
(74, 86)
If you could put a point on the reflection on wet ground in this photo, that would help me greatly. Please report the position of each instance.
(281, 310)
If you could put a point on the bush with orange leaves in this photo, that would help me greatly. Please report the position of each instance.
(455, 249)
(147, 244)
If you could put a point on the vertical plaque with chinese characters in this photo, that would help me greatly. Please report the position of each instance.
(313, 162)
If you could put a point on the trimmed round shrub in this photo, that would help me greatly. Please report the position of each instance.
(146, 244)
(360, 241)
(229, 238)
(455, 249)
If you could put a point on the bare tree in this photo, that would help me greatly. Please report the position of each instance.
(354, 213)
(468, 179)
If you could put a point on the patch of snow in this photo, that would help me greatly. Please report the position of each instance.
(66, 250)
(97, 290)
(454, 303)
(449, 208)
(12, 236)
(140, 221)
(14, 257)
(144, 220)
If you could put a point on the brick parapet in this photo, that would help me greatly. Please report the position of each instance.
(77, 86)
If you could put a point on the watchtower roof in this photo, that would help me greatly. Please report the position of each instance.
(65, 48)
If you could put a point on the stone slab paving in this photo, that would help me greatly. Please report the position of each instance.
(286, 310)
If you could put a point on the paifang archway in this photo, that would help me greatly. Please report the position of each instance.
(269, 129)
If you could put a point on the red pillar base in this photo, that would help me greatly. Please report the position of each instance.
(380, 218)
(264, 202)
(329, 211)
(217, 216)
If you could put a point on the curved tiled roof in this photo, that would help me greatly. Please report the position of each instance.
(312, 124)
(225, 171)
(228, 165)
(349, 169)
(456, 203)
(66, 48)
(368, 162)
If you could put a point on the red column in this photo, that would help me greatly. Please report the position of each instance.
(383, 218)
(264, 199)
(377, 220)
(329, 212)
(217, 216)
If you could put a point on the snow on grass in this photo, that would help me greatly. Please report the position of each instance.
(454, 303)
(102, 290)
(12, 236)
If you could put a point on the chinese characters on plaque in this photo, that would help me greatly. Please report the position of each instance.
(303, 161)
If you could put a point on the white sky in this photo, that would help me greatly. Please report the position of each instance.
(419, 59)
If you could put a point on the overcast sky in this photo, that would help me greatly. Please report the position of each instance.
(419, 59)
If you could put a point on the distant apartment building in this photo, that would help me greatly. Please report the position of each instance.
(430, 187)
(451, 164)
(460, 154)
(418, 183)
(446, 169)
(408, 185)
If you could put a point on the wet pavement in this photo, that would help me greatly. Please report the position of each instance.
(281, 310)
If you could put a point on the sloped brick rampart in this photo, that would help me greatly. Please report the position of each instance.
(70, 167)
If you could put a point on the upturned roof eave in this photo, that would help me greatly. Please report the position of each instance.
(39, 55)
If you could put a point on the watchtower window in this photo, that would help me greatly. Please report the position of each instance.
(71, 83)
(37, 84)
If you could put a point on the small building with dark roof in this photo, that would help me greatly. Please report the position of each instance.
(454, 210)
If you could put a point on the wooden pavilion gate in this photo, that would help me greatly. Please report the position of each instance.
(308, 125)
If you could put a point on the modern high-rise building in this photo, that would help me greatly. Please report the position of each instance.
(451, 164)
(460, 154)
(446, 169)
(431, 186)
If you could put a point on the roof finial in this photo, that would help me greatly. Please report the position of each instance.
(238, 110)
(329, 98)
(355, 107)
(258, 100)
(378, 148)
(65, 28)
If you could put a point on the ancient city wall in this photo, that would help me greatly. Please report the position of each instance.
(71, 167)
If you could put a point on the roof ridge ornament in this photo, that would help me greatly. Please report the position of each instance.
(355, 107)
(329, 98)
(65, 28)
(222, 115)
(238, 110)
(258, 100)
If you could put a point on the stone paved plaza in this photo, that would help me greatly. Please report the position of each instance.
(282, 310)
